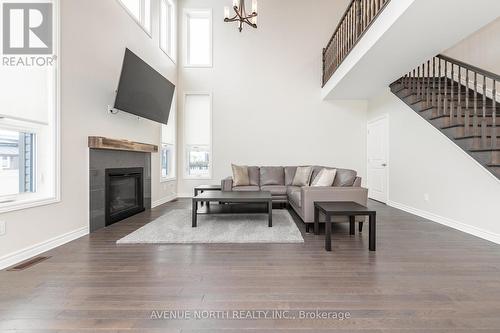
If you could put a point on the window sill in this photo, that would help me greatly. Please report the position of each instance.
(198, 66)
(27, 203)
(198, 178)
(168, 180)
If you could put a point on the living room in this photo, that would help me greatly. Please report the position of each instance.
(264, 141)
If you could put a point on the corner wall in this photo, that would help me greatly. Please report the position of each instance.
(462, 194)
(266, 88)
(94, 34)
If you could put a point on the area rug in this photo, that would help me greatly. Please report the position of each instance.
(175, 228)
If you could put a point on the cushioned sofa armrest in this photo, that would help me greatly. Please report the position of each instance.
(310, 195)
(227, 184)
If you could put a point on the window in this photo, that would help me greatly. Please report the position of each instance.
(197, 135)
(167, 28)
(168, 143)
(17, 167)
(29, 129)
(140, 10)
(198, 38)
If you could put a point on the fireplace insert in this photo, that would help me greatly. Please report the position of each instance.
(124, 193)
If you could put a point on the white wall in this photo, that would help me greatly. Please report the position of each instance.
(266, 86)
(480, 49)
(94, 36)
(422, 161)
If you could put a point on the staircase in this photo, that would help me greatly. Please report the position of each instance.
(461, 101)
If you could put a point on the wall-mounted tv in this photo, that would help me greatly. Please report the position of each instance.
(142, 91)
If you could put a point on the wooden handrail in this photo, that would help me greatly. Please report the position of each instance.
(355, 21)
(470, 67)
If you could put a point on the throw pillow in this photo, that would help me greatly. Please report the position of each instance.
(325, 177)
(302, 176)
(240, 176)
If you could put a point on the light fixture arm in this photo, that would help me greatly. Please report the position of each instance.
(242, 16)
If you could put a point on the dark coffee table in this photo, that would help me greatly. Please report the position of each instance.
(350, 209)
(233, 197)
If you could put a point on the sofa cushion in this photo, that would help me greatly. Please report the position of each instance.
(272, 176)
(289, 175)
(246, 188)
(295, 198)
(254, 175)
(325, 177)
(302, 176)
(240, 175)
(344, 178)
(291, 189)
(316, 171)
(274, 189)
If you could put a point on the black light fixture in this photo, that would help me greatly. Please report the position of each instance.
(241, 14)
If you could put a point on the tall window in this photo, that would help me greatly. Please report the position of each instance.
(29, 124)
(198, 136)
(198, 38)
(168, 143)
(140, 10)
(167, 27)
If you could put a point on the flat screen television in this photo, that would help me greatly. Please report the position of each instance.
(142, 91)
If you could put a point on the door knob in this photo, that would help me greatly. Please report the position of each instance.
(384, 164)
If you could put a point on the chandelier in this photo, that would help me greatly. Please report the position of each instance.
(241, 14)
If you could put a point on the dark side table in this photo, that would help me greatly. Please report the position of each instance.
(205, 188)
(349, 209)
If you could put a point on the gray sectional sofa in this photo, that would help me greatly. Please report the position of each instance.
(279, 180)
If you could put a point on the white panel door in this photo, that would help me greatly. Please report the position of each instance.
(378, 145)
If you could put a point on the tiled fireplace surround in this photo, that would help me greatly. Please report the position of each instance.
(101, 159)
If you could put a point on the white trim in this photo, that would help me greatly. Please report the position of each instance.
(172, 30)
(56, 124)
(478, 232)
(137, 20)
(388, 142)
(185, 13)
(163, 201)
(184, 161)
(29, 252)
(184, 195)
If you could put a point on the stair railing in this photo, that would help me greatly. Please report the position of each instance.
(463, 92)
(358, 17)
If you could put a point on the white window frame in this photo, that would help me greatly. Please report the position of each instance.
(141, 20)
(185, 167)
(173, 175)
(31, 200)
(170, 29)
(203, 12)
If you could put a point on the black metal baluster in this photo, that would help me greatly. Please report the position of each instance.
(428, 101)
(484, 122)
(439, 96)
(494, 115)
(445, 100)
(475, 120)
(459, 105)
(452, 98)
(467, 110)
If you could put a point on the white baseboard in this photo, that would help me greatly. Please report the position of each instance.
(163, 201)
(32, 251)
(478, 232)
(185, 195)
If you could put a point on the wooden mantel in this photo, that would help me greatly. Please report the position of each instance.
(98, 142)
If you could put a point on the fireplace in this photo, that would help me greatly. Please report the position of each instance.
(124, 193)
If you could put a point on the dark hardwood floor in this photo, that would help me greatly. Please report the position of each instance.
(424, 277)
